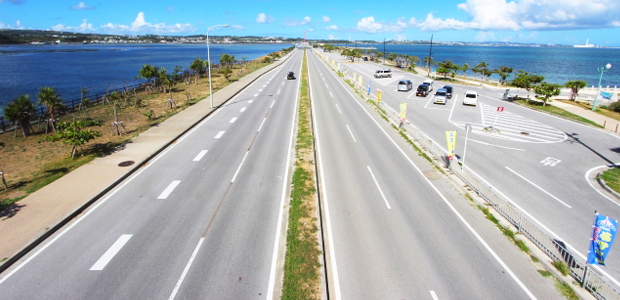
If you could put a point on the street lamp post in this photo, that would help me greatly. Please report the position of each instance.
(209, 62)
(602, 70)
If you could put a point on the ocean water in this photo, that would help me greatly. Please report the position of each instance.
(558, 65)
(68, 67)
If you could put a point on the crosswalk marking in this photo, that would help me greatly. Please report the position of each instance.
(514, 127)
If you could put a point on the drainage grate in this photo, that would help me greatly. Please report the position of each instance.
(126, 163)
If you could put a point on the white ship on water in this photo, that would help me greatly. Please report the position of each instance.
(586, 45)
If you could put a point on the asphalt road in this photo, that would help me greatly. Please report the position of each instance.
(200, 221)
(538, 162)
(395, 228)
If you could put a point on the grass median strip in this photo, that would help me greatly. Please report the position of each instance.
(612, 178)
(556, 111)
(302, 278)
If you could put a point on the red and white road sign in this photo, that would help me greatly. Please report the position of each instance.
(500, 109)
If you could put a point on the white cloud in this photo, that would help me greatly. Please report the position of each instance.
(434, 24)
(140, 25)
(541, 14)
(485, 36)
(291, 22)
(18, 24)
(84, 27)
(237, 27)
(262, 18)
(332, 27)
(311, 30)
(369, 25)
(400, 37)
(331, 37)
(326, 19)
(81, 6)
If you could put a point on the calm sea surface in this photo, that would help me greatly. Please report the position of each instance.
(558, 65)
(67, 68)
(25, 68)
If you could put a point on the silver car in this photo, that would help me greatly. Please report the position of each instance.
(405, 85)
(441, 96)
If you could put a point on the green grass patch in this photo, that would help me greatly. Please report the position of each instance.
(544, 273)
(468, 197)
(534, 258)
(602, 110)
(301, 266)
(566, 290)
(561, 266)
(612, 178)
(556, 111)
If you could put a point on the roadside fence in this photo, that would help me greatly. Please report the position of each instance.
(589, 277)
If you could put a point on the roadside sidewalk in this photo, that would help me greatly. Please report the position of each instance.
(48, 209)
(609, 123)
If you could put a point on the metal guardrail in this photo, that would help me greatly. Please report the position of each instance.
(595, 282)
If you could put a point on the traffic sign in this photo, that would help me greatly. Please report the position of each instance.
(500, 109)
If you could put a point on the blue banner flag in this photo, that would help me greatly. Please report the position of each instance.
(602, 238)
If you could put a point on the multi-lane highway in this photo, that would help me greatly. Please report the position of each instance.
(392, 232)
(200, 221)
(538, 162)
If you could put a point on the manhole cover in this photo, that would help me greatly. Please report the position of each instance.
(525, 133)
(126, 163)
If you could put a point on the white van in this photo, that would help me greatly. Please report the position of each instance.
(471, 98)
(386, 73)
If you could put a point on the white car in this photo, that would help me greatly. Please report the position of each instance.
(471, 98)
(441, 96)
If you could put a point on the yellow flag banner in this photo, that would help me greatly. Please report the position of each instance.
(403, 111)
(354, 77)
(361, 81)
(379, 93)
(451, 139)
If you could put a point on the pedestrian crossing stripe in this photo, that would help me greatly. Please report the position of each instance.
(514, 127)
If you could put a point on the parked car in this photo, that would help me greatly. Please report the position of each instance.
(471, 98)
(448, 91)
(422, 90)
(290, 75)
(383, 73)
(405, 85)
(429, 82)
(441, 96)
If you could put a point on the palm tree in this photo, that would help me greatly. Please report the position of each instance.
(197, 66)
(163, 78)
(49, 98)
(19, 111)
(148, 72)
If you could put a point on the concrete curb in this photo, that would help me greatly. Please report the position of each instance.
(601, 181)
(13, 259)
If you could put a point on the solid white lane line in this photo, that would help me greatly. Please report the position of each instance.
(260, 90)
(378, 187)
(272, 103)
(255, 95)
(351, 132)
(452, 110)
(200, 155)
(452, 208)
(434, 295)
(338, 108)
(536, 186)
(279, 91)
(108, 255)
(233, 120)
(330, 93)
(264, 86)
(328, 222)
(239, 168)
(219, 134)
(250, 101)
(587, 176)
(189, 264)
(242, 109)
(261, 124)
(169, 189)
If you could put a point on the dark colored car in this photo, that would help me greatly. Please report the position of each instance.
(448, 91)
(290, 75)
(422, 90)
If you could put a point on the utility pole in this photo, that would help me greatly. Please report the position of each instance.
(430, 57)
(384, 51)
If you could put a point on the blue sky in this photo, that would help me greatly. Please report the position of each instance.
(529, 21)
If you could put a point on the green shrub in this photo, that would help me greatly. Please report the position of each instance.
(615, 106)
